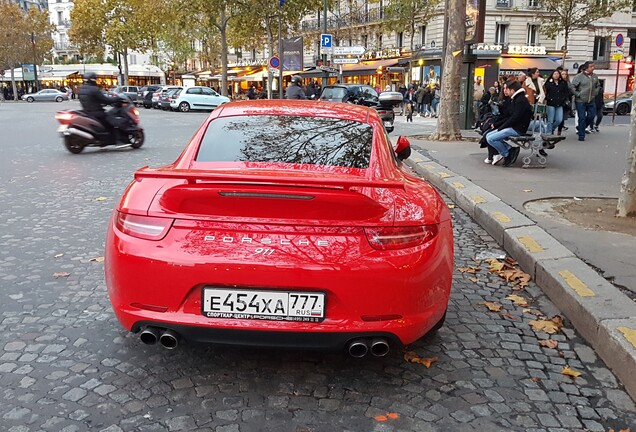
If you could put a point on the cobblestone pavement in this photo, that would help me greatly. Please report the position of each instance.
(66, 364)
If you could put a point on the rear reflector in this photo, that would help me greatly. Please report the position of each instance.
(370, 318)
(391, 238)
(144, 227)
(150, 307)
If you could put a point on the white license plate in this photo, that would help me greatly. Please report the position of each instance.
(263, 305)
(387, 124)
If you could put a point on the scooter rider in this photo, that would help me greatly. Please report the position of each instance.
(295, 89)
(93, 100)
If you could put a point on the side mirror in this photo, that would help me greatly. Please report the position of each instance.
(403, 148)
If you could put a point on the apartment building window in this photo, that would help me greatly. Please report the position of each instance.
(501, 34)
(534, 4)
(365, 41)
(423, 35)
(504, 3)
(633, 5)
(379, 41)
(601, 48)
(533, 35)
(60, 18)
(399, 40)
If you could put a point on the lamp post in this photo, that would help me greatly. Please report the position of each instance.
(325, 75)
(35, 64)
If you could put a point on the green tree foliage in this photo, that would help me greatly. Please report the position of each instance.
(24, 38)
(568, 15)
(408, 14)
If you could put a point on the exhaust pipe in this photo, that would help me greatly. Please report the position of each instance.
(358, 348)
(75, 131)
(169, 339)
(149, 335)
(379, 347)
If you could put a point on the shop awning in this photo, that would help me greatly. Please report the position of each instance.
(524, 63)
(54, 74)
(368, 67)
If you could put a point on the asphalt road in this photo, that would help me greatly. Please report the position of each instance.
(67, 365)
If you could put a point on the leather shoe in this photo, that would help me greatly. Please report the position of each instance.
(512, 156)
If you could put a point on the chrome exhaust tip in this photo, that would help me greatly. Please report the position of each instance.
(149, 335)
(358, 348)
(379, 347)
(169, 339)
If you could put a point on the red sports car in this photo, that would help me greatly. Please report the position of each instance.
(282, 224)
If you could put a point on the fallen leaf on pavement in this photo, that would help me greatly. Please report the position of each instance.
(98, 259)
(58, 255)
(101, 199)
(511, 261)
(571, 372)
(392, 415)
(535, 379)
(509, 316)
(380, 418)
(469, 269)
(492, 306)
(622, 430)
(473, 279)
(517, 300)
(532, 312)
(411, 357)
(558, 320)
(61, 274)
(549, 343)
(495, 265)
(527, 190)
(451, 206)
(547, 326)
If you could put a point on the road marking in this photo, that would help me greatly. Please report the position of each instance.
(629, 333)
(431, 167)
(444, 174)
(477, 199)
(501, 217)
(576, 284)
(530, 244)
(459, 185)
(418, 160)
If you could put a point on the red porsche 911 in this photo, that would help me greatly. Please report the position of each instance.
(282, 224)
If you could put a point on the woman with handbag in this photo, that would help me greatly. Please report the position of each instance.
(556, 94)
(567, 105)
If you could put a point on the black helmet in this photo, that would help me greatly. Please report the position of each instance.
(90, 77)
(296, 79)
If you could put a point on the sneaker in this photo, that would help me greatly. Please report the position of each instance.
(487, 161)
(512, 156)
(596, 129)
(589, 130)
(581, 138)
(497, 159)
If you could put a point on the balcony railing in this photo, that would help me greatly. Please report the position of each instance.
(346, 20)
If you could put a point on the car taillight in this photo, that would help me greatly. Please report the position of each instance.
(391, 238)
(63, 117)
(144, 227)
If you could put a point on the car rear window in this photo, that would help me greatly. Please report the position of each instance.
(287, 139)
(331, 93)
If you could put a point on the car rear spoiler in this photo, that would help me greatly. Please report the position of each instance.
(192, 176)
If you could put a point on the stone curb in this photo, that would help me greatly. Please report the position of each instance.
(602, 314)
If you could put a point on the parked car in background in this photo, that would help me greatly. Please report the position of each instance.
(144, 95)
(197, 98)
(166, 98)
(128, 91)
(156, 95)
(361, 94)
(49, 95)
(623, 104)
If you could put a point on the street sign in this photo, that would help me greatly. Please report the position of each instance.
(328, 69)
(346, 50)
(618, 56)
(274, 62)
(619, 39)
(326, 40)
(344, 60)
(274, 72)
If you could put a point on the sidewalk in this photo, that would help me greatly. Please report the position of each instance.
(556, 255)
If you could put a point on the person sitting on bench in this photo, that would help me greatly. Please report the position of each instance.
(515, 125)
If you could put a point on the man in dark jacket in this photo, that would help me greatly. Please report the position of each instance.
(515, 125)
(93, 100)
(295, 89)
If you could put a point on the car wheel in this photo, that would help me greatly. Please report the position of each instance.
(438, 326)
(184, 107)
(73, 144)
(59, 99)
(30, 99)
(622, 109)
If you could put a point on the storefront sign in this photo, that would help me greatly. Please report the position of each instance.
(526, 50)
(382, 54)
(484, 47)
(245, 62)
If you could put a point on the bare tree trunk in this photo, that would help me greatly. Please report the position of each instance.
(13, 84)
(448, 120)
(223, 34)
(125, 66)
(627, 198)
(270, 47)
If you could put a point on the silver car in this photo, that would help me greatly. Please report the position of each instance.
(46, 95)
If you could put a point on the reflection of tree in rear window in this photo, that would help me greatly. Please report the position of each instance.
(287, 139)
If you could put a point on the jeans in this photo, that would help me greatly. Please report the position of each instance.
(496, 139)
(599, 116)
(434, 105)
(555, 117)
(586, 113)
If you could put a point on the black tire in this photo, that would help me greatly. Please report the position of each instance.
(59, 99)
(73, 144)
(622, 109)
(439, 325)
(184, 107)
(30, 99)
(136, 139)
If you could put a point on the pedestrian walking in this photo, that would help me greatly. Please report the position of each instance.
(585, 86)
(556, 95)
(599, 101)
(534, 86)
(419, 95)
(478, 92)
